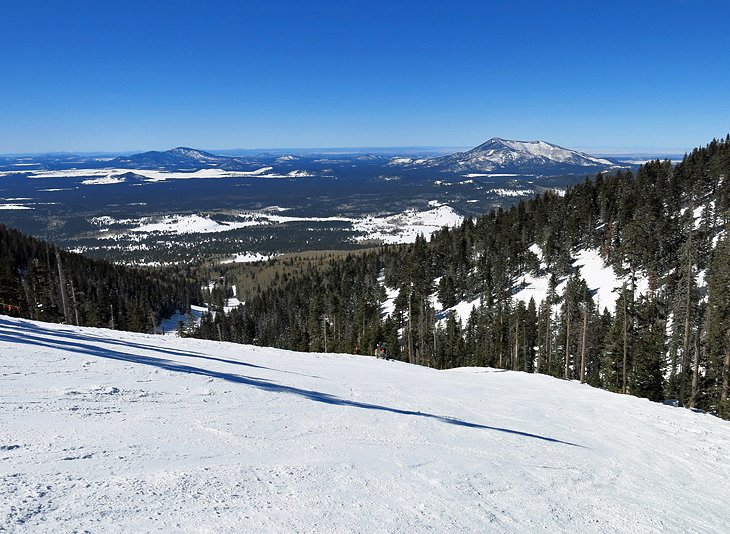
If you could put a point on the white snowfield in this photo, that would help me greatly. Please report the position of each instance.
(112, 175)
(107, 431)
(402, 227)
(14, 207)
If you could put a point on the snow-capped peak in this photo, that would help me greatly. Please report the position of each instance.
(539, 149)
(193, 153)
(539, 157)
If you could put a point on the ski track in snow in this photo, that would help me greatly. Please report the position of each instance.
(112, 431)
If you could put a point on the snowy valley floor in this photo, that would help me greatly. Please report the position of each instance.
(106, 431)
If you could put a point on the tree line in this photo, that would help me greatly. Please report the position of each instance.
(42, 282)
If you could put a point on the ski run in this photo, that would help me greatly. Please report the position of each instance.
(106, 431)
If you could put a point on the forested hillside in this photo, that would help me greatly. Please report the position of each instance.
(665, 334)
(39, 281)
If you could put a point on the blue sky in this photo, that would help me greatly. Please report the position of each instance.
(645, 75)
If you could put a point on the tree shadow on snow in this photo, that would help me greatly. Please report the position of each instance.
(59, 341)
(72, 334)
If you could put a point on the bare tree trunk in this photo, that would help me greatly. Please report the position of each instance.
(539, 347)
(624, 388)
(687, 315)
(501, 340)
(422, 334)
(111, 313)
(335, 329)
(434, 340)
(324, 329)
(567, 340)
(154, 324)
(583, 346)
(32, 304)
(726, 371)
(525, 352)
(76, 309)
(517, 344)
(410, 327)
(547, 342)
(62, 285)
(695, 376)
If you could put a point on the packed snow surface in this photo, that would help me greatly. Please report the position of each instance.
(110, 431)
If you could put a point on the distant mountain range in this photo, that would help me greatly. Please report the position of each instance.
(496, 156)
(507, 156)
(180, 158)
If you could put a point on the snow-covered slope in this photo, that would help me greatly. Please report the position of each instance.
(504, 150)
(181, 159)
(114, 432)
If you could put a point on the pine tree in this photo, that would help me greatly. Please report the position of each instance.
(618, 345)
(717, 339)
(647, 374)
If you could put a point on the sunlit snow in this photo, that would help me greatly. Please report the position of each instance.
(113, 431)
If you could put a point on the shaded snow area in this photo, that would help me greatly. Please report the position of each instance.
(109, 431)
(601, 280)
(170, 325)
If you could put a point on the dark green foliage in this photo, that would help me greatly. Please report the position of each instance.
(717, 327)
(647, 376)
(36, 280)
